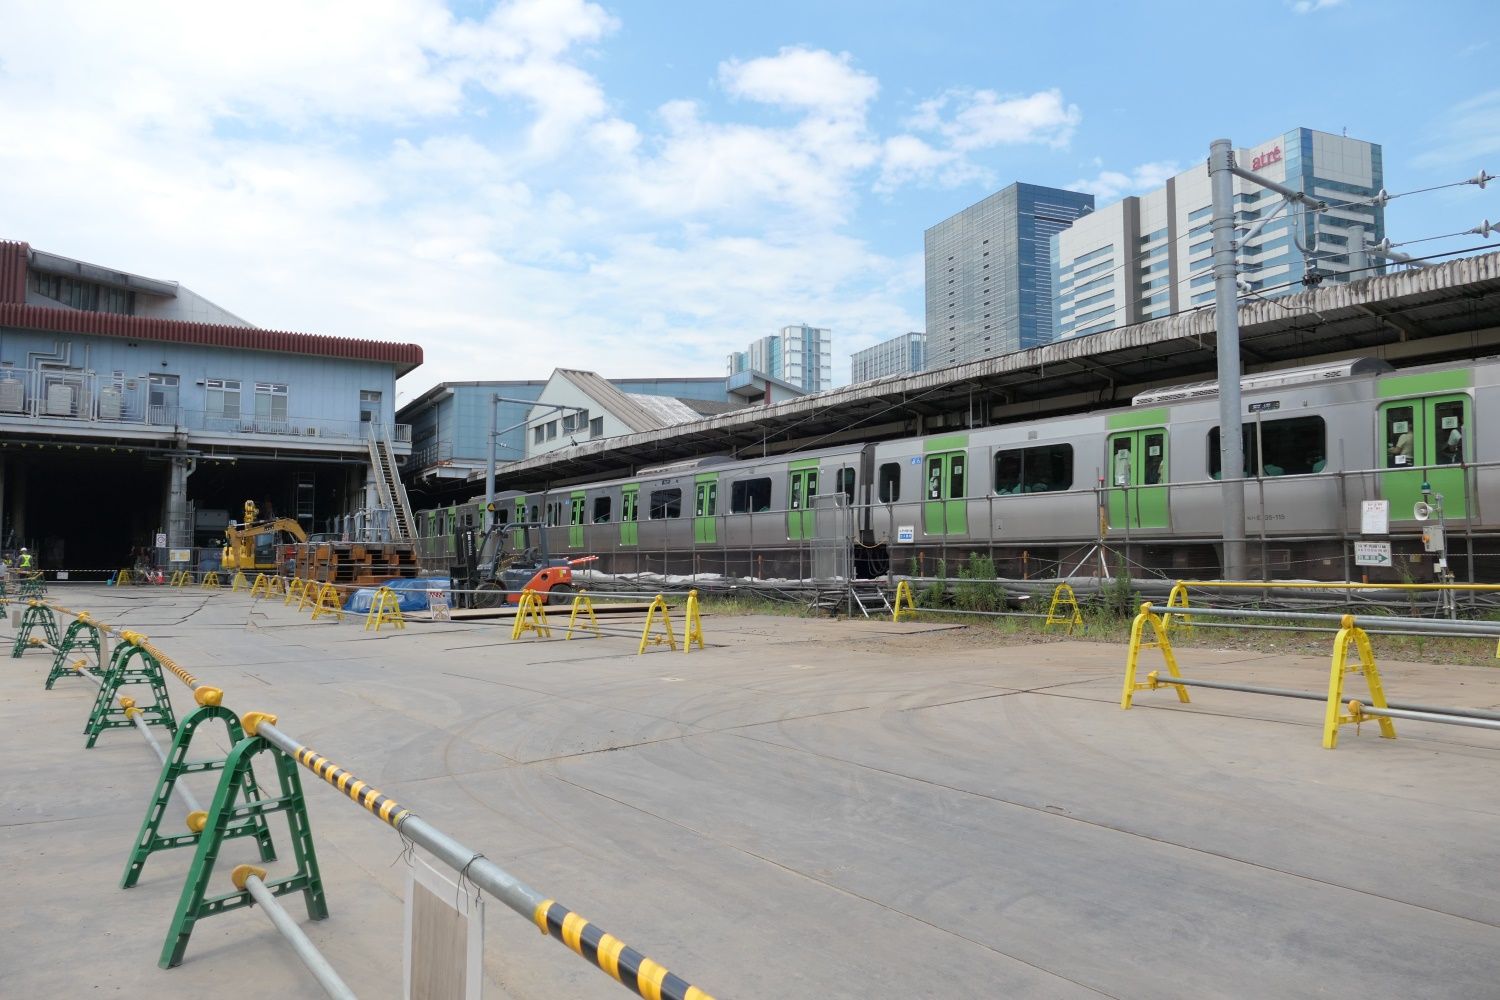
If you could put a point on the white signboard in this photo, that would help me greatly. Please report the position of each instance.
(180, 555)
(1372, 553)
(444, 937)
(437, 603)
(161, 539)
(1375, 517)
(906, 533)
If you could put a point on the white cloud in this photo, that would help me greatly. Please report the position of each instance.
(1111, 185)
(1308, 6)
(1465, 135)
(393, 170)
(981, 119)
(801, 78)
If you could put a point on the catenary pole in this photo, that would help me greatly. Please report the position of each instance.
(1227, 328)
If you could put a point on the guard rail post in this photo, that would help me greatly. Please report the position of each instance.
(131, 664)
(1138, 642)
(84, 626)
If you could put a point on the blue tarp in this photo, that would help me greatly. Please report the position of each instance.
(411, 593)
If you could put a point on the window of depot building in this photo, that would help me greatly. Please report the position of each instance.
(222, 398)
(596, 427)
(601, 510)
(665, 504)
(270, 401)
(750, 496)
(84, 295)
(538, 434)
(889, 489)
(1042, 469)
(1294, 447)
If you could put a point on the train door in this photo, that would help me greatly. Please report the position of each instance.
(800, 514)
(943, 510)
(629, 508)
(575, 520)
(1425, 440)
(1138, 476)
(704, 508)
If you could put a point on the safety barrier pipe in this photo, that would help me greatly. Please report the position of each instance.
(1405, 706)
(1323, 585)
(203, 694)
(195, 808)
(1434, 626)
(624, 964)
(248, 878)
(1447, 716)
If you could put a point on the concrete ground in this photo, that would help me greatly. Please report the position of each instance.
(807, 809)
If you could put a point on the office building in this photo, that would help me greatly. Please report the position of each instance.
(896, 356)
(801, 355)
(989, 273)
(1150, 256)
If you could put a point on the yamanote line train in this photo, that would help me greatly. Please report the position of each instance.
(1038, 496)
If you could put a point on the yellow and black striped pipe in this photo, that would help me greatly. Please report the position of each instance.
(387, 809)
(623, 963)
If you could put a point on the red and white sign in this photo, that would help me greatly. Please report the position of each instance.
(1270, 156)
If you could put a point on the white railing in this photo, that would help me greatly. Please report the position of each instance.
(62, 398)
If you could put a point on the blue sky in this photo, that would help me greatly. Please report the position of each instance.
(640, 188)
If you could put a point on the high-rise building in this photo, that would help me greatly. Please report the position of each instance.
(989, 273)
(801, 355)
(1150, 256)
(889, 357)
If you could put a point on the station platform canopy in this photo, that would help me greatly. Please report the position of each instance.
(1413, 316)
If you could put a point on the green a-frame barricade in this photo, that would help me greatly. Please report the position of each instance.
(194, 904)
(81, 636)
(130, 664)
(150, 839)
(36, 614)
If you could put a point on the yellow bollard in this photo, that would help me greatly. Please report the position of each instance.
(276, 586)
(1063, 599)
(261, 587)
(531, 617)
(309, 595)
(210, 581)
(1133, 656)
(1178, 598)
(658, 606)
(385, 608)
(692, 624)
(294, 591)
(1333, 715)
(582, 603)
(237, 582)
(328, 602)
(903, 596)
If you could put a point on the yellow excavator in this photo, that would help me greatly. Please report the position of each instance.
(252, 545)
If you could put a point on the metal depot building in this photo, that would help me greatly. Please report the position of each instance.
(134, 412)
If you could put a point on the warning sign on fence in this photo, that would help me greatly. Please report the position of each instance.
(1372, 553)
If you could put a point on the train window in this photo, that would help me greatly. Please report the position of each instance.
(1399, 442)
(1293, 447)
(534, 518)
(956, 476)
(749, 496)
(1448, 432)
(504, 515)
(601, 510)
(554, 513)
(1155, 445)
(890, 482)
(845, 483)
(665, 504)
(1045, 469)
(629, 504)
(1216, 460)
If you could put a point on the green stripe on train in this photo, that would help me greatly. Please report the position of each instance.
(948, 442)
(1425, 383)
(1137, 418)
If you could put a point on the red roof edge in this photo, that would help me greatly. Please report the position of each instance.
(244, 338)
(13, 257)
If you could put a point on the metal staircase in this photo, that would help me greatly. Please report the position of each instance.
(869, 596)
(388, 485)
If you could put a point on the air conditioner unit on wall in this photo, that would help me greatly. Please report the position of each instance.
(312, 432)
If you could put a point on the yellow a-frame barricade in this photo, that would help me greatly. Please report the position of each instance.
(658, 612)
(531, 616)
(583, 605)
(1064, 609)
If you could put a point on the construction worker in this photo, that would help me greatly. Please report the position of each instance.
(25, 563)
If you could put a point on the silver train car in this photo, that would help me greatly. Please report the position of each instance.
(1047, 497)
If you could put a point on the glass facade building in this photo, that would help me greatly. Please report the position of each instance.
(989, 273)
(801, 355)
(896, 356)
(1151, 256)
